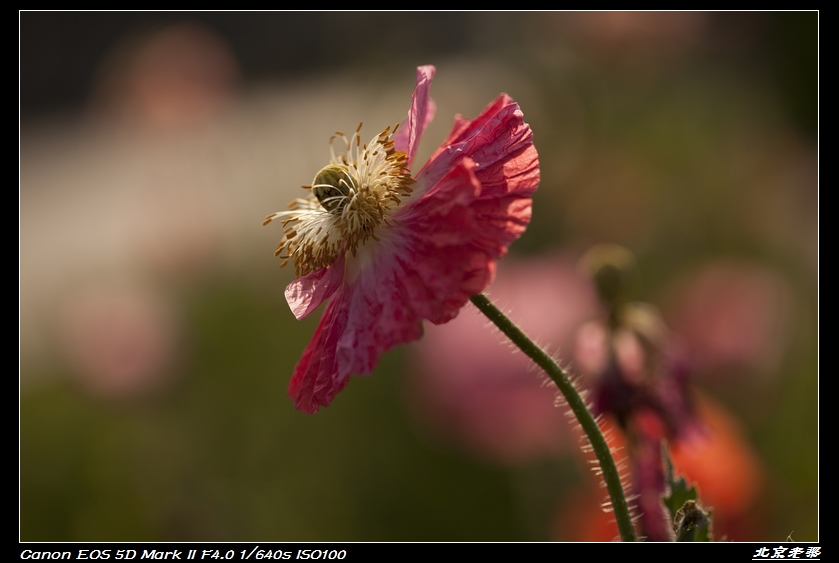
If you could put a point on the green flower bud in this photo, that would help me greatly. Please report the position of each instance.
(692, 523)
(614, 272)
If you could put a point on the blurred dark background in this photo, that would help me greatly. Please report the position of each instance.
(155, 342)
(61, 53)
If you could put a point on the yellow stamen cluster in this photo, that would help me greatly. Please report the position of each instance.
(350, 199)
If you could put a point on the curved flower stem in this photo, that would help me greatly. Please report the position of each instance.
(577, 405)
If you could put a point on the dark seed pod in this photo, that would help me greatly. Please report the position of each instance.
(333, 186)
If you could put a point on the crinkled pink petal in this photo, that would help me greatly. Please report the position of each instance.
(365, 318)
(501, 145)
(473, 199)
(315, 380)
(306, 293)
(381, 316)
(422, 110)
(446, 263)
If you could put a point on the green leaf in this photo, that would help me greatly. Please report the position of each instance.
(691, 522)
(678, 492)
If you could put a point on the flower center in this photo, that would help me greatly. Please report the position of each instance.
(334, 186)
(350, 199)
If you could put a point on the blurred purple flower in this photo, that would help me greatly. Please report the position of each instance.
(639, 367)
(639, 379)
(640, 375)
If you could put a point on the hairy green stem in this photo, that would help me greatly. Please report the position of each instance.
(577, 405)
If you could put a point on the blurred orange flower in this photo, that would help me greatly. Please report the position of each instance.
(717, 458)
(720, 461)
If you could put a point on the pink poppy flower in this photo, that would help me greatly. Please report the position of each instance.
(392, 249)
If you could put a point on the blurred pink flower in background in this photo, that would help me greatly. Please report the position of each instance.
(392, 250)
(170, 87)
(121, 339)
(178, 76)
(472, 388)
(625, 34)
(732, 315)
